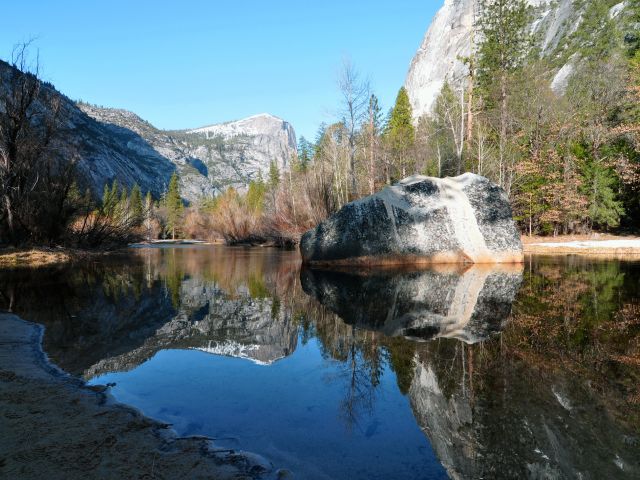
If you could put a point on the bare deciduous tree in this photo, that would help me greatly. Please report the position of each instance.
(354, 109)
(36, 183)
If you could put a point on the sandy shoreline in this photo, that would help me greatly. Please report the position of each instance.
(611, 246)
(55, 426)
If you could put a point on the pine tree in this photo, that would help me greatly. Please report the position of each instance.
(505, 40)
(374, 124)
(174, 205)
(135, 204)
(305, 153)
(401, 132)
(255, 195)
(106, 196)
(274, 175)
(599, 187)
(148, 212)
(123, 202)
(605, 210)
(110, 198)
(114, 195)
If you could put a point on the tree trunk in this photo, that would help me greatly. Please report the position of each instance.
(293, 201)
(371, 154)
(461, 145)
(503, 128)
(470, 104)
(352, 172)
(9, 213)
(530, 213)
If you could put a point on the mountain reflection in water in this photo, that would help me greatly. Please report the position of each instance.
(508, 374)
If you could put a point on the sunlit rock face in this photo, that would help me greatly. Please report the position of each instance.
(469, 305)
(114, 144)
(208, 159)
(466, 219)
(449, 40)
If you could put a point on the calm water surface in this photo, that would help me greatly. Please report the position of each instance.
(476, 373)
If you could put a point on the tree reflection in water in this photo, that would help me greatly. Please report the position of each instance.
(546, 386)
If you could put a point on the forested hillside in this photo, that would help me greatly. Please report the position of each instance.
(554, 121)
(543, 102)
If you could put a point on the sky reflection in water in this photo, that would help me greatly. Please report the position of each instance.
(376, 375)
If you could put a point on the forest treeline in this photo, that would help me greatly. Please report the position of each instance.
(569, 160)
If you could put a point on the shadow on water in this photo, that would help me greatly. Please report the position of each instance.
(508, 373)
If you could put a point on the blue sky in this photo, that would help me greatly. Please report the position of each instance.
(186, 64)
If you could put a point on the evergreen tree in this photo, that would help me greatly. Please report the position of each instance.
(123, 202)
(106, 196)
(305, 153)
(136, 206)
(174, 205)
(605, 210)
(255, 195)
(320, 134)
(504, 42)
(599, 187)
(148, 212)
(374, 125)
(401, 132)
(114, 195)
(274, 175)
(375, 114)
(110, 198)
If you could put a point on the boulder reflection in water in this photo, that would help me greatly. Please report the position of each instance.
(469, 304)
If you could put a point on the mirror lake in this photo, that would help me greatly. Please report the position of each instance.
(447, 372)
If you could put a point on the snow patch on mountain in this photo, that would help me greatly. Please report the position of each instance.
(230, 348)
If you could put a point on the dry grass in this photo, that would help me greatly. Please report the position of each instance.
(39, 257)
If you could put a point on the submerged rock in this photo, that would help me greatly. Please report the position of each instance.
(466, 219)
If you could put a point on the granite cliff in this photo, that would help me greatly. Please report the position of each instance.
(450, 38)
(114, 144)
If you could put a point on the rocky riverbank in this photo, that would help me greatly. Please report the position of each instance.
(55, 426)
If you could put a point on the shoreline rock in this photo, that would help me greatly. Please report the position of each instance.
(420, 220)
(55, 426)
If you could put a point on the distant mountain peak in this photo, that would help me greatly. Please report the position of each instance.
(212, 158)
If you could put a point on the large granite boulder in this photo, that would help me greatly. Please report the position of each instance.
(466, 219)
